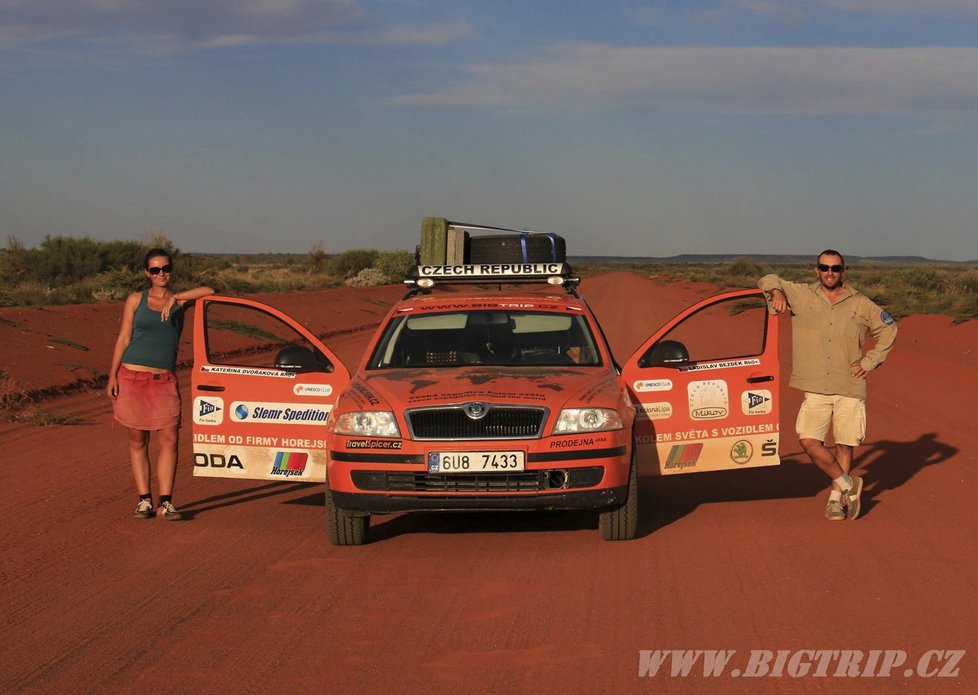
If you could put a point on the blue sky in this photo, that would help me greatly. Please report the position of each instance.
(632, 128)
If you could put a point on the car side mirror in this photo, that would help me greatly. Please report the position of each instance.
(665, 353)
(297, 358)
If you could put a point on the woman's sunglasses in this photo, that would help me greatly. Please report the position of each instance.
(156, 270)
(834, 268)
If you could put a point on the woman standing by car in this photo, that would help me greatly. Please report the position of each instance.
(142, 385)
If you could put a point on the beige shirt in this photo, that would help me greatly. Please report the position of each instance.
(828, 338)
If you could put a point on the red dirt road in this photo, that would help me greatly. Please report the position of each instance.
(248, 596)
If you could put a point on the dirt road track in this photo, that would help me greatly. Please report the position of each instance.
(247, 595)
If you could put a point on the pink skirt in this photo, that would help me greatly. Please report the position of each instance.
(146, 401)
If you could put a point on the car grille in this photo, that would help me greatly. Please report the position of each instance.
(528, 481)
(500, 422)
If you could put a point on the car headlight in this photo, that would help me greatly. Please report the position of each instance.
(367, 423)
(573, 420)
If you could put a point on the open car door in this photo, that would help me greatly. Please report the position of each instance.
(705, 387)
(263, 387)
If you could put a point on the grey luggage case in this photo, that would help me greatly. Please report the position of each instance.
(522, 247)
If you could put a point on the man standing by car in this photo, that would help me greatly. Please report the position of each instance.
(830, 322)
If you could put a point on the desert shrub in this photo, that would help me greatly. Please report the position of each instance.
(349, 263)
(967, 309)
(194, 265)
(963, 283)
(317, 261)
(745, 271)
(110, 286)
(16, 262)
(320, 282)
(108, 294)
(121, 254)
(368, 277)
(926, 279)
(237, 284)
(394, 264)
(33, 293)
(157, 239)
(63, 260)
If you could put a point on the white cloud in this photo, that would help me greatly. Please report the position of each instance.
(215, 23)
(773, 80)
(906, 7)
(419, 35)
(798, 9)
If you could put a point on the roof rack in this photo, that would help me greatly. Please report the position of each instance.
(425, 276)
(458, 253)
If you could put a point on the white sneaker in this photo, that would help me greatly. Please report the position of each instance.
(851, 497)
(144, 510)
(169, 512)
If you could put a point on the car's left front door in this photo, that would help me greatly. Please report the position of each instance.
(706, 388)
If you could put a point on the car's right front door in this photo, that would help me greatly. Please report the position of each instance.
(706, 388)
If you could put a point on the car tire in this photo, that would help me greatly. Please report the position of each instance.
(344, 527)
(620, 523)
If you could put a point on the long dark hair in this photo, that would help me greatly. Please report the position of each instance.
(153, 253)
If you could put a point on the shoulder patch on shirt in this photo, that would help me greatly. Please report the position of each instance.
(886, 318)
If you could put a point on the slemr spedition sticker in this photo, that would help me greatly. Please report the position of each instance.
(279, 413)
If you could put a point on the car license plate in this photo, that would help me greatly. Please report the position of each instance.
(476, 461)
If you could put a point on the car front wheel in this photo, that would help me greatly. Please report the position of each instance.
(345, 527)
(620, 523)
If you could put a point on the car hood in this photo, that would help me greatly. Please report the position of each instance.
(554, 387)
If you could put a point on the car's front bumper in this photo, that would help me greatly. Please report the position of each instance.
(387, 504)
(565, 479)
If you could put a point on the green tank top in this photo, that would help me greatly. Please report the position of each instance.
(154, 342)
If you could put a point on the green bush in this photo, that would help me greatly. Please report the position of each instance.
(233, 284)
(66, 270)
(112, 285)
(965, 283)
(121, 254)
(394, 264)
(317, 261)
(349, 263)
(745, 269)
(967, 310)
(16, 262)
(65, 260)
(926, 279)
(32, 293)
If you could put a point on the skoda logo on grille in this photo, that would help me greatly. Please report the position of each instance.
(476, 411)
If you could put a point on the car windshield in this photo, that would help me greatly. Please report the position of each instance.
(481, 337)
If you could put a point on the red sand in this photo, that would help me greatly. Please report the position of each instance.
(247, 596)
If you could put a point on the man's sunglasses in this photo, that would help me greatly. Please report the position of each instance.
(834, 268)
(168, 268)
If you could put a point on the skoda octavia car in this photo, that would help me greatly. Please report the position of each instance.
(477, 396)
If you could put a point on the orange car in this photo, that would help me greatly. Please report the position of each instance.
(479, 399)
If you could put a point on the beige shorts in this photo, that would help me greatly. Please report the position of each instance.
(845, 414)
